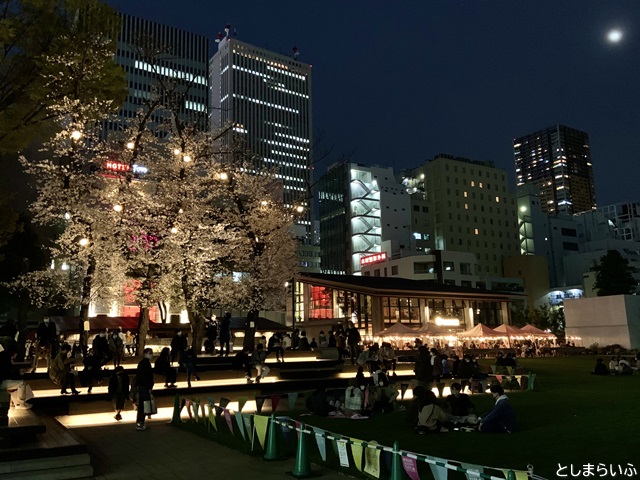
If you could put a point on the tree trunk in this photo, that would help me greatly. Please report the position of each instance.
(85, 299)
(250, 330)
(197, 331)
(143, 329)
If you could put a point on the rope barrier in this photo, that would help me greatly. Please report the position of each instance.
(415, 456)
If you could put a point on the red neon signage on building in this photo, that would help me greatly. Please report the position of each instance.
(117, 166)
(369, 259)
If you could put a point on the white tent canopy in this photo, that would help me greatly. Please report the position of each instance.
(479, 331)
(397, 330)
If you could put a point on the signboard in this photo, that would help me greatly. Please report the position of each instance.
(124, 167)
(369, 259)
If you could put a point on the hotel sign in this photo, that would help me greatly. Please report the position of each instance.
(370, 259)
(124, 167)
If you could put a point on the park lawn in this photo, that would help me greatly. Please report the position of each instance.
(573, 418)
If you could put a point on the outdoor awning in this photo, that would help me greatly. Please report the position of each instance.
(398, 330)
(431, 330)
(480, 330)
(509, 331)
(530, 331)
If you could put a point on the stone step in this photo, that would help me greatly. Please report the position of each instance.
(52, 468)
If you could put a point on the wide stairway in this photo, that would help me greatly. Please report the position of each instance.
(37, 447)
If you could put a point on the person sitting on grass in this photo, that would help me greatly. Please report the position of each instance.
(457, 403)
(624, 367)
(432, 418)
(416, 405)
(613, 365)
(600, 368)
(353, 399)
(501, 418)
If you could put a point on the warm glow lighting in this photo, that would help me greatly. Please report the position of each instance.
(176, 151)
(299, 209)
(84, 242)
(523, 209)
(186, 158)
(447, 322)
(263, 203)
(174, 230)
(223, 176)
(117, 208)
(130, 145)
(67, 216)
(76, 134)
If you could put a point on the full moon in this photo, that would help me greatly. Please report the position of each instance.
(614, 36)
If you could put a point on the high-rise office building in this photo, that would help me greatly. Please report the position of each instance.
(464, 205)
(179, 56)
(360, 207)
(266, 99)
(558, 161)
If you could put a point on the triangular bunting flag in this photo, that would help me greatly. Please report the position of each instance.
(211, 400)
(224, 402)
(372, 461)
(204, 416)
(342, 453)
(196, 411)
(219, 411)
(403, 390)
(321, 441)
(292, 400)
(411, 467)
(247, 427)
(356, 453)
(472, 471)
(275, 400)
(261, 423)
(439, 473)
(240, 423)
(227, 417)
(334, 444)
(520, 474)
(241, 402)
(259, 403)
(212, 419)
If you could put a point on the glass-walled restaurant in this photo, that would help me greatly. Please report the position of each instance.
(376, 303)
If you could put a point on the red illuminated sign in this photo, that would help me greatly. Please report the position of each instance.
(117, 166)
(369, 259)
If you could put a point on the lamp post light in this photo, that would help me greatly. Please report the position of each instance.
(76, 135)
(84, 242)
(117, 208)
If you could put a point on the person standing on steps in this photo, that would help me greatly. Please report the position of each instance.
(225, 334)
(144, 384)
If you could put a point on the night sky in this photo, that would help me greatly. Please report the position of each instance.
(395, 83)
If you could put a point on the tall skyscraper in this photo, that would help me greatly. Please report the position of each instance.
(266, 96)
(558, 161)
(183, 58)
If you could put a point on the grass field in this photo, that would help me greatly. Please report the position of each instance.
(573, 418)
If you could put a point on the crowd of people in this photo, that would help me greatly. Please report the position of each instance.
(618, 365)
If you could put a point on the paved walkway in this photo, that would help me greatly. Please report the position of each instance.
(166, 452)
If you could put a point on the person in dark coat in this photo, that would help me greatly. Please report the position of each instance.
(119, 390)
(101, 349)
(423, 369)
(92, 372)
(178, 346)
(144, 385)
(225, 334)
(600, 368)
(189, 361)
(47, 334)
(457, 403)
(162, 366)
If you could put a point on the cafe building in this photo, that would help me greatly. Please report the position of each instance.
(325, 301)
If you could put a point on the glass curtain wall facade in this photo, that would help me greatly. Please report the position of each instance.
(558, 161)
(264, 98)
(183, 59)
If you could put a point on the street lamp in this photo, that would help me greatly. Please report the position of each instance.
(130, 145)
(174, 230)
(84, 242)
(76, 135)
(117, 208)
